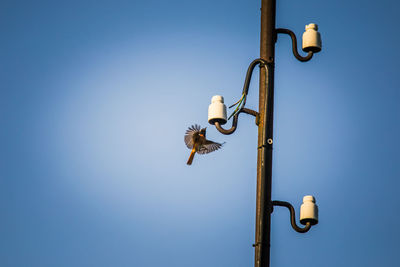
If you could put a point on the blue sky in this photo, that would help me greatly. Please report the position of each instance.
(95, 99)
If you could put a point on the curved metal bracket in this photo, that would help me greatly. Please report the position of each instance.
(294, 45)
(253, 64)
(292, 216)
(231, 130)
(235, 121)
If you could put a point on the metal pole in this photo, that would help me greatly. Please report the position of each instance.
(265, 136)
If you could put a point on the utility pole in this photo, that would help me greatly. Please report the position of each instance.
(265, 121)
(265, 136)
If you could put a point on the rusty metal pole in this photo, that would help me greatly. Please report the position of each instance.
(265, 136)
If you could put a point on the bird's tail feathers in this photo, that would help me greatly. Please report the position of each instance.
(190, 160)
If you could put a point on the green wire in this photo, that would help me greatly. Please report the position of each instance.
(239, 104)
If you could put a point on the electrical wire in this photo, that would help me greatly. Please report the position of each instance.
(239, 105)
(242, 101)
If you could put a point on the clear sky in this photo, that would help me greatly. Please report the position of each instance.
(95, 98)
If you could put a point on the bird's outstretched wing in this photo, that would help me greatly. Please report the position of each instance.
(209, 146)
(194, 129)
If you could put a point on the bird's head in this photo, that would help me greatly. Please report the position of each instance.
(203, 132)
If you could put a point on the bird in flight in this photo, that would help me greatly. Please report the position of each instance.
(195, 139)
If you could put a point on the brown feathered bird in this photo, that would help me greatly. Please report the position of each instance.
(195, 139)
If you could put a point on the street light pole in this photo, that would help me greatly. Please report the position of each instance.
(265, 135)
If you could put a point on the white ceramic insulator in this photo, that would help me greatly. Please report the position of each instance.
(217, 110)
(309, 211)
(312, 38)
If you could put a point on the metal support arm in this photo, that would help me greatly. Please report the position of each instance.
(235, 121)
(292, 216)
(231, 130)
(245, 91)
(294, 45)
